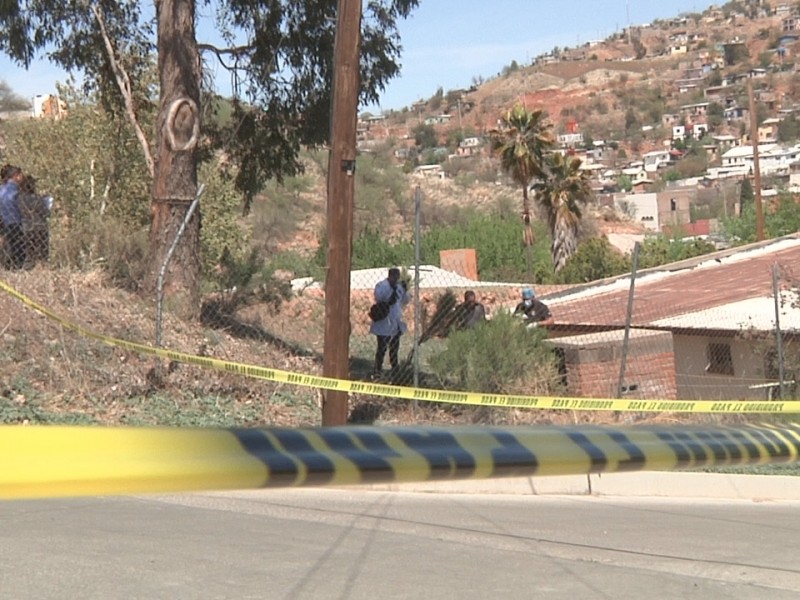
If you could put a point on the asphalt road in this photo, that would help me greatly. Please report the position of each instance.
(387, 545)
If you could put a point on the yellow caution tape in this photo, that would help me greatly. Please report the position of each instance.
(422, 394)
(39, 462)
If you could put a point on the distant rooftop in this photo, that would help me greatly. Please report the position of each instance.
(429, 277)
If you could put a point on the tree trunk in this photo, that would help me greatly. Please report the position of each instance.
(175, 180)
(527, 232)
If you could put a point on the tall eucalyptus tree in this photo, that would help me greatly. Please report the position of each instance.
(279, 54)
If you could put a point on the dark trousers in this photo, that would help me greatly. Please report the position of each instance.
(37, 245)
(14, 246)
(392, 342)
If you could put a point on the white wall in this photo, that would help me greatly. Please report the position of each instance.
(695, 383)
(646, 208)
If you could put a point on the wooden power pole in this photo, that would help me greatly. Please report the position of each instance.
(756, 166)
(341, 190)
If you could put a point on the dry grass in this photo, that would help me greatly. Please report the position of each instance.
(52, 374)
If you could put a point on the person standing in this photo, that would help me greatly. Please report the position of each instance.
(35, 210)
(12, 218)
(469, 313)
(389, 329)
(534, 311)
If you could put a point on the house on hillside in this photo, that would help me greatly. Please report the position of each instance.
(701, 329)
(742, 156)
(773, 158)
(725, 142)
(438, 119)
(688, 85)
(768, 131)
(655, 159)
(735, 113)
(670, 119)
(432, 171)
(656, 211)
(642, 208)
(48, 106)
(469, 146)
(677, 49)
(715, 92)
(699, 109)
(699, 130)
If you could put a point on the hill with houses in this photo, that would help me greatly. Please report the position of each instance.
(659, 113)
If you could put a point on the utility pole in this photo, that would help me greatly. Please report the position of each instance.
(756, 168)
(341, 191)
(628, 18)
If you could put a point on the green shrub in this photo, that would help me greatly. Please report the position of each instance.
(500, 356)
(595, 259)
(106, 242)
(296, 263)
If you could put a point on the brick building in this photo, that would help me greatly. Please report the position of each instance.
(591, 364)
(718, 310)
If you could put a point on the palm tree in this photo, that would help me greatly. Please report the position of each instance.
(561, 194)
(521, 142)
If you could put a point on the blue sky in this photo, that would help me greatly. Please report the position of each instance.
(447, 43)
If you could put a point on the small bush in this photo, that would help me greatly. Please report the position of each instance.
(500, 356)
(105, 242)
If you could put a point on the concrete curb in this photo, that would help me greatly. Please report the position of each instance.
(656, 484)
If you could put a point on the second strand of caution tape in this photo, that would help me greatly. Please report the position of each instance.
(421, 394)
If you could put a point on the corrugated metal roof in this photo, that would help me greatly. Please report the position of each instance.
(753, 313)
(685, 291)
(429, 277)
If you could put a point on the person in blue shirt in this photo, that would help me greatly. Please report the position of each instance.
(12, 217)
(35, 211)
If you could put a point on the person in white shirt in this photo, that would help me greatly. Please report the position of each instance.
(389, 329)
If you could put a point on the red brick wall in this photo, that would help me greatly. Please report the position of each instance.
(654, 374)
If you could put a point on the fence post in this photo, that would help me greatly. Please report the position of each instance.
(417, 320)
(628, 317)
(776, 292)
(167, 258)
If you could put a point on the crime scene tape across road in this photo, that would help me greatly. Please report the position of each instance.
(422, 394)
(40, 462)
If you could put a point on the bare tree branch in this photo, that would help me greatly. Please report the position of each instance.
(235, 50)
(124, 83)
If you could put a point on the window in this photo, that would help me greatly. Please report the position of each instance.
(720, 361)
(771, 367)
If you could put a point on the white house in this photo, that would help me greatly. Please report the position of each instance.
(435, 171)
(643, 207)
(699, 130)
(438, 119)
(469, 146)
(653, 160)
(742, 156)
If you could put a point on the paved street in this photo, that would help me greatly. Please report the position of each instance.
(368, 545)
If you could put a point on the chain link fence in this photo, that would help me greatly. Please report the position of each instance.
(722, 327)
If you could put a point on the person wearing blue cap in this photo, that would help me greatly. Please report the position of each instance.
(534, 311)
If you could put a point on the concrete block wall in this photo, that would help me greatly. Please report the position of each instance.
(592, 363)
